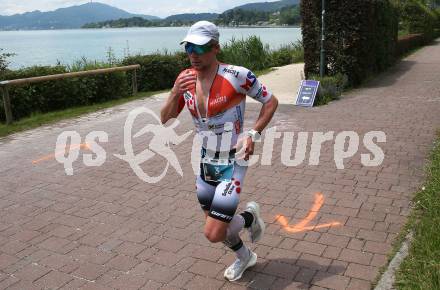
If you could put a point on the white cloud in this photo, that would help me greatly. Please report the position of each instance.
(161, 8)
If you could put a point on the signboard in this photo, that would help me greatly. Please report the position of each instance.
(307, 93)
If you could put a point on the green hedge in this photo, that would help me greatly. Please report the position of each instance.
(407, 43)
(158, 71)
(437, 16)
(61, 94)
(361, 37)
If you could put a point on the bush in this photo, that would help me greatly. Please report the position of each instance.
(254, 55)
(287, 54)
(158, 71)
(330, 88)
(360, 37)
(250, 53)
(61, 94)
(4, 61)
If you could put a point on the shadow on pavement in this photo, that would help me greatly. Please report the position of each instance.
(390, 76)
(274, 274)
(394, 73)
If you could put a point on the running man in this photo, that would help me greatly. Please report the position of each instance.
(215, 95)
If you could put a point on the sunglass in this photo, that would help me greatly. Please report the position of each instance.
(197, 49)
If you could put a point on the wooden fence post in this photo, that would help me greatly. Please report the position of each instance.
(134, 82)
(7, 105)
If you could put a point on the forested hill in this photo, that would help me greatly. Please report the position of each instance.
(64, 18)
(285, 12)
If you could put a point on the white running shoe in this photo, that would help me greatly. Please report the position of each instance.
(256, 230)
(236, 270)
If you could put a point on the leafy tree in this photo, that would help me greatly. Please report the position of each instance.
(417, 17)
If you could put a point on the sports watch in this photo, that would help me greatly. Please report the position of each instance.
(254, 134)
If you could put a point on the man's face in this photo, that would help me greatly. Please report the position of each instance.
(202, 57)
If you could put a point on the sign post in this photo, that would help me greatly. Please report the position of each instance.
(322, 60)
(7, 104)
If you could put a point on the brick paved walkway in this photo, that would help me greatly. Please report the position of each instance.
(103, 228)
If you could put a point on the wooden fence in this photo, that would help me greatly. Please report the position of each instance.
(4, 85)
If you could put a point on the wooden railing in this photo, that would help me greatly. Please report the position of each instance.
(4, 85)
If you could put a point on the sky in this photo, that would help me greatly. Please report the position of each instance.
(160, 8)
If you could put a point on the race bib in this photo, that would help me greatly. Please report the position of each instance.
(217, 170)
(216, 167)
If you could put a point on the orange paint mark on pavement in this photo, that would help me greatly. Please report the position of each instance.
(62, 152)
(302, 225)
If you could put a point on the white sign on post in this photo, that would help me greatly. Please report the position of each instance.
(307, 93)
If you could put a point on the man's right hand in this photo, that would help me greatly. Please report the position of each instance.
(184, 82)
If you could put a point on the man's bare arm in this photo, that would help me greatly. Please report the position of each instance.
(266, 114)
(246, 145)
(170, 109)
(183, 83)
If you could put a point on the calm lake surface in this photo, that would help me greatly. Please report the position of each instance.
(45, 47)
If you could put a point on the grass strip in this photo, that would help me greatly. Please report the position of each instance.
(40, 119)
(421, 268)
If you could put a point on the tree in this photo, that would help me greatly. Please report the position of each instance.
(418, 18)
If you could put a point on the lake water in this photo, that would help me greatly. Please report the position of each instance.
(45, 47)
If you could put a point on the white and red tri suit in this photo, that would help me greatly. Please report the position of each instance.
(225, 104)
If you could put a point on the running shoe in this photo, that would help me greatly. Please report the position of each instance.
(256, 230)
(236, 270)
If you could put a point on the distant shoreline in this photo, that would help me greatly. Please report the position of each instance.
(104, 28)
(220, 26)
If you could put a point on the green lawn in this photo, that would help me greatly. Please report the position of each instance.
(421, 268)
(37, 120)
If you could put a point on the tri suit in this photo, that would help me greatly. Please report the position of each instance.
(221, 177)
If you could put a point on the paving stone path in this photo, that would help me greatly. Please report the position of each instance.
(104, 228)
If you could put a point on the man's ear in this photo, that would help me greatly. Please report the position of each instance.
(217, 47)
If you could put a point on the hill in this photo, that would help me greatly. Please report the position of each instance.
(192, 17)
(285, 12)
(266, 6)
(63, 18)
(94, 15)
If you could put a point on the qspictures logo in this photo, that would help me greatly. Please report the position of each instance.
(345, 146)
